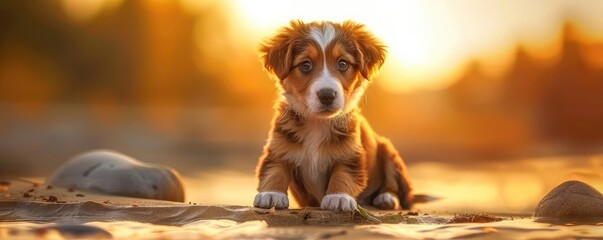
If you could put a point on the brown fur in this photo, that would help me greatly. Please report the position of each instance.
(353, 159)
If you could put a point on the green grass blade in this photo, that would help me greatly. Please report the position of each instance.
(366, 215)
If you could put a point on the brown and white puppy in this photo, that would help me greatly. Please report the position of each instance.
(319, 145)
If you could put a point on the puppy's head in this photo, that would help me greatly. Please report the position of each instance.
(323, 67)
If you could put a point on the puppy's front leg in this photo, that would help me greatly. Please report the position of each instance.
(346, 182)
(274, 175)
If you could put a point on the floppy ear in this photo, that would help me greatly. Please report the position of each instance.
(371, 51)
(277, 52)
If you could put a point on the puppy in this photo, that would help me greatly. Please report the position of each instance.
(319, 146)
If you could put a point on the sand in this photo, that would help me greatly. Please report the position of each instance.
(30, 210)
(71, 206)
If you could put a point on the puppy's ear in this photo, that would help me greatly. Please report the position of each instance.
(277, 52)
(371, 51)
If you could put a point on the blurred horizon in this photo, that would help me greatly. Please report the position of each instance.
(179, 83)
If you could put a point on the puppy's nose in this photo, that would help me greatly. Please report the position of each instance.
(326, 96)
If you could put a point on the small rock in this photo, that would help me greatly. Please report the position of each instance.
(571, 200)
(117, 174)
(53, 199)
(74, 231)
(474, 218)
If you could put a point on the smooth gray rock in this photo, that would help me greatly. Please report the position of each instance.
(76, 231)
(114, 173)
(572, 200)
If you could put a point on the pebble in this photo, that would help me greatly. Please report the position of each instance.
(114, 173)
(571, 200)
(75, 231)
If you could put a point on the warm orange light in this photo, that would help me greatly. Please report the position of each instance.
(429, 41)
(85, 10)
(414, 48)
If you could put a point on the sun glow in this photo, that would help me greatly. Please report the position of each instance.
(429, 42)
(412, 43)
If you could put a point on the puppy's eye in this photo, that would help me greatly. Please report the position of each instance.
(343, 65)
(305, 66)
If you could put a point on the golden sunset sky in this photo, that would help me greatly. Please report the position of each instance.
(429, 41)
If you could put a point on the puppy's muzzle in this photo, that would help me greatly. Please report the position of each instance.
(326, 96)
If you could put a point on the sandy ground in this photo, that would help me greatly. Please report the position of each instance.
(29, 210)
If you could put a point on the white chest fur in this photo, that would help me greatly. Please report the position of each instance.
(313, 155)
(316, 155)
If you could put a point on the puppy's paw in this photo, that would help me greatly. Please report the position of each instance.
(386, 201)
(338, 202)
(267, 200)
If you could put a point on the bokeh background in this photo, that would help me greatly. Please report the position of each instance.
(491, 103)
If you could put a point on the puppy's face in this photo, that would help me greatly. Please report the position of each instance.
(323, 68)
